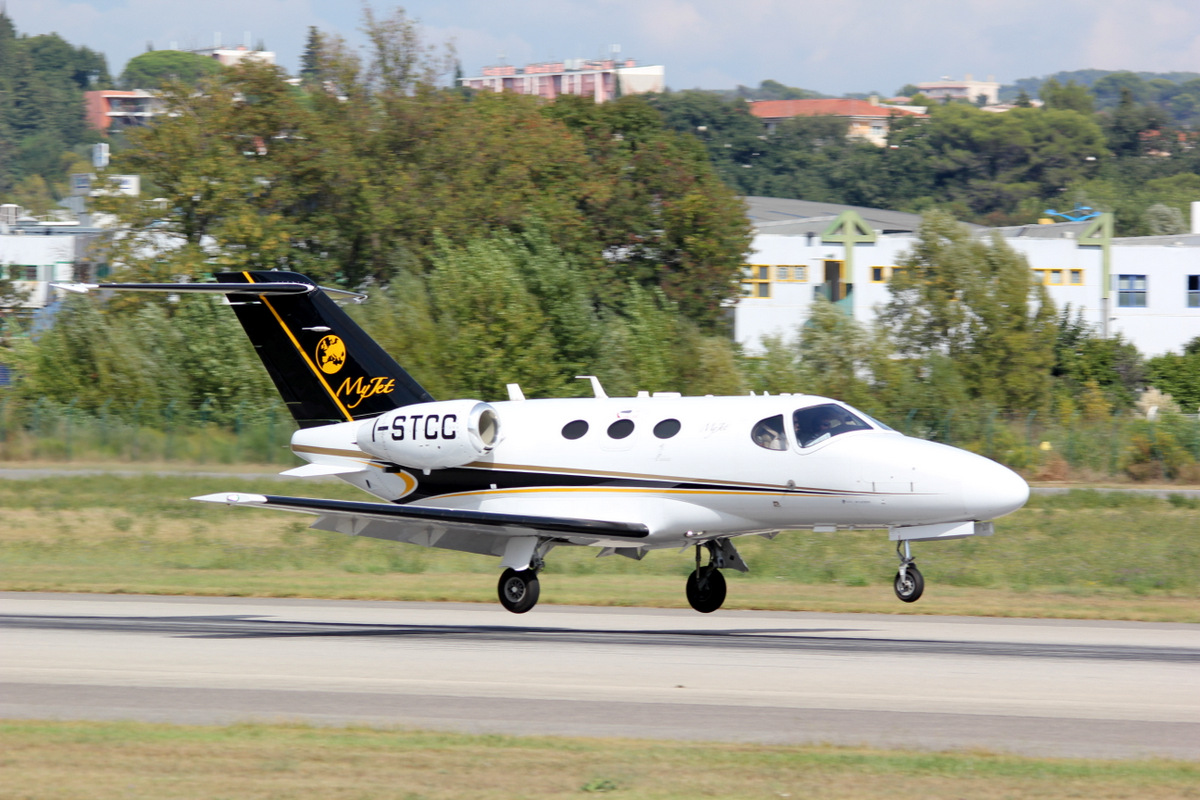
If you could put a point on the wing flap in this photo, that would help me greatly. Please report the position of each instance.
(416, 523)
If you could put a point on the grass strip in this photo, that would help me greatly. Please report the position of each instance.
(1083, 554)
(49, 760)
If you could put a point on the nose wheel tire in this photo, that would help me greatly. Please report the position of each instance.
(706, 592)
(518, 590)
(910, 584)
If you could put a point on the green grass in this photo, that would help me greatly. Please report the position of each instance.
(138, 760)
(1083, 553)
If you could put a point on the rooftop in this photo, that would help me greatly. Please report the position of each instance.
(837, 106)
(786, 217)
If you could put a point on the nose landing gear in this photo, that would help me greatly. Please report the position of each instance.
(909, 584)
(706, 585)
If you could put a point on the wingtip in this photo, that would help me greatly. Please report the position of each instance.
(75, 288)
(232, 498)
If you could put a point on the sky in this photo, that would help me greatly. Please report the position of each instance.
(830, 46)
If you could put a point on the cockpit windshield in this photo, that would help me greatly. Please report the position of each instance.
(818, 423)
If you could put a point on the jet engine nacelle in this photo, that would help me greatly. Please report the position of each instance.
(432, 435)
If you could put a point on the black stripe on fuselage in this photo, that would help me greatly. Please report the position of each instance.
(459, 480)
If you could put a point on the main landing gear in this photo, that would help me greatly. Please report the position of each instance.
(519, 590)
(910, 584)
(706, 585)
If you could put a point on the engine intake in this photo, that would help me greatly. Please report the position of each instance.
(432, 435)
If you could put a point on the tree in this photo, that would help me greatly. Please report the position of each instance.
(402, 62)
(1178, 375)
(369, 169)
(310, 59)
(1128, 125)
(660, 214)
(1082, 358)
(1071, 97)
(156, 69)
(42, 79)
(975, 302)
(774, 90)
(1164, 220)
(234, 168)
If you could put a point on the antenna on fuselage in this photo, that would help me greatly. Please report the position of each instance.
(597, 390)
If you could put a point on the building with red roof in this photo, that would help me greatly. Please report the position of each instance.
(869, 121)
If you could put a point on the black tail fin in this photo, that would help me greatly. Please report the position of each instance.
(325, 366)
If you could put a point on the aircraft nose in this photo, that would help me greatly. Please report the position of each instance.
(993, 490)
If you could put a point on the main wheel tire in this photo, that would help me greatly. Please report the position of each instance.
(519, 590)
(709, 598)
(911, 585)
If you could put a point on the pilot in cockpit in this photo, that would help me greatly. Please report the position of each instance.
(817, 424)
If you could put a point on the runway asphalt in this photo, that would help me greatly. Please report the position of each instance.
(1037, 687)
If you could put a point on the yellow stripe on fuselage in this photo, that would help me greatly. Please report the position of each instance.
(649, 490)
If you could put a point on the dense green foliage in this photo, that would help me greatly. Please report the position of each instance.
(503, 239)
(506, 239)
(1128, 153)
(42, 80)
(1177, 94)
(154, 69)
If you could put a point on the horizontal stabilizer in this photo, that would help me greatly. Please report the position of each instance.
(323, 470)
(219, 288)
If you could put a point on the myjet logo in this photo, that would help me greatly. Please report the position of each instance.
(360, 388)
(331, 357)
(331, 354)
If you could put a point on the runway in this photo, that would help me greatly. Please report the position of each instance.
(1036, 687)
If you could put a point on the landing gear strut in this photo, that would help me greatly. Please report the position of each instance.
(519, 590)
(706, 586)
(910, 584)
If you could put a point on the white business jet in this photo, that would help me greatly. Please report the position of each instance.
(624, 475)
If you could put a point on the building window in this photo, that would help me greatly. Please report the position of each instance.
(1077, 277)
(884, 274)
(791, 273)
(1193, 291)
(29, 273)
(757, 282)
(1131, 291)
(1052, 277)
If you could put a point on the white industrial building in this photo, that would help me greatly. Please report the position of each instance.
(802, 250)
(35, 252)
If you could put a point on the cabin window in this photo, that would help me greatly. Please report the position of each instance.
(816, 424)
(667, 428)
(574, 430)
(620, 429)
(768, 433)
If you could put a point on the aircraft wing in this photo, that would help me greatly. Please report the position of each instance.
(483, 532)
